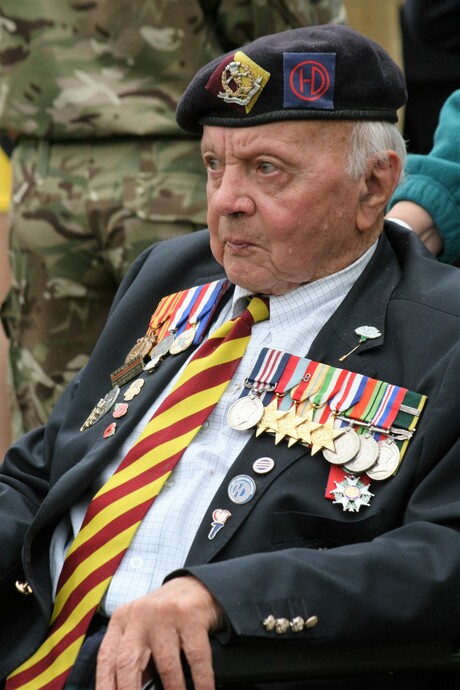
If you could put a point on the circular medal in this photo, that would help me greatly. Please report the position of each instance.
(366, 456)
(346, 447)
(241, 489)
(182, 342)
(245, 413)
(162, 347)
(140, 349)
(388, 461)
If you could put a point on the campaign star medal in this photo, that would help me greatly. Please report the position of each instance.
(365, 333)
(324, 437)
(287, 423)
(352, 493)
(306, 426)
(269, 418)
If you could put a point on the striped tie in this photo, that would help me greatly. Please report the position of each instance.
(117, 510)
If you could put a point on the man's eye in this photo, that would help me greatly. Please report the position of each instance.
(266, 168)
(212, 163)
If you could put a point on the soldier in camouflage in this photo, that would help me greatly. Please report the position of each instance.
(100, 169)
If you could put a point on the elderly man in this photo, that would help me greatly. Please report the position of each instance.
(264, 443)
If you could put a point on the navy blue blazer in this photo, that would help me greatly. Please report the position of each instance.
(379, 573)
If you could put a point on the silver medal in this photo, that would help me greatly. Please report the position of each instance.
(346, 447)
(366, 457)
(182, 342)
(245, 413)
(388, 462)
(162, 347)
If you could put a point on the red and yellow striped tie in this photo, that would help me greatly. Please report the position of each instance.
(117, 510)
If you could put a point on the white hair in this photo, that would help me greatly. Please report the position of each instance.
(370, 139)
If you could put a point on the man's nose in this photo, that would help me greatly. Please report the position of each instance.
(232, 194)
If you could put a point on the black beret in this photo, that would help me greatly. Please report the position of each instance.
(318, 72)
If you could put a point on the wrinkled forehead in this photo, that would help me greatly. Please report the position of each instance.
(298, 135)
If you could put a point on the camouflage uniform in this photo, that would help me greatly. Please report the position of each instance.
(101, 170)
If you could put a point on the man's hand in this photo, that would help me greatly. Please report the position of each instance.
(178, 616)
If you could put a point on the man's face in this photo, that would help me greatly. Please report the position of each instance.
(281, 209)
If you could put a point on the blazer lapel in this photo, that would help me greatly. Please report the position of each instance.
(365, 305)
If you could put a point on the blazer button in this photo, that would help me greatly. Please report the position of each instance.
(23, 588)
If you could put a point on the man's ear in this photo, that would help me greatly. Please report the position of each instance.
(378, 185)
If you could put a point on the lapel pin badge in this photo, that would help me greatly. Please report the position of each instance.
(365, 333)
(219, 518)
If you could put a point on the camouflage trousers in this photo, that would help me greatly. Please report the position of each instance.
(80, 214)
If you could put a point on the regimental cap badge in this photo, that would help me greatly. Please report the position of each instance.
(239, 81)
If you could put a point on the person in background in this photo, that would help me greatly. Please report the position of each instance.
(428, 199)
(100, 168)
(264, 443)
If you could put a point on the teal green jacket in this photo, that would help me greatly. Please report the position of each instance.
(433, 180)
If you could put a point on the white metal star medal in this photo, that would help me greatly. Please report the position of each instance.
(352, 493)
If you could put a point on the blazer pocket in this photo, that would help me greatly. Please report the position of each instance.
(314, 531)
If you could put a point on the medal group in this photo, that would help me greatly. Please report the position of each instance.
(361, 425)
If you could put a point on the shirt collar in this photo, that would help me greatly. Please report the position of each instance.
(284, 309)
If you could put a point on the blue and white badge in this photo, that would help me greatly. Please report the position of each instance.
(263, 465)
(241, 489)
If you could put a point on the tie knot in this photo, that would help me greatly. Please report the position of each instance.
(257, 309)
